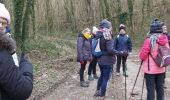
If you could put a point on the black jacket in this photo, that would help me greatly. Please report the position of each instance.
(107, 47)
(16, 83)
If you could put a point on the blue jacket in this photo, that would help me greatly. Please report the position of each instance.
(123, 43)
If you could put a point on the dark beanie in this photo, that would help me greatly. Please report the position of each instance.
(105, 24)
(156, 26)
(122, 26)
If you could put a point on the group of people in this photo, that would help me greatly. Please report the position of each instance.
(121, 47)
(116, 50)
(16, 79)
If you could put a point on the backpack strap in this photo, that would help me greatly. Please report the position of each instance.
(149, 62)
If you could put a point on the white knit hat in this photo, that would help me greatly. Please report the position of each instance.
(95, 29)
(4, 13)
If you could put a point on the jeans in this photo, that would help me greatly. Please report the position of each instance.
(155, 82)
(104, 77)
(119, 60)
(92, 66)
(82, 68)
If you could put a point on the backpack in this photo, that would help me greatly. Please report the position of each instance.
(163, 57)
(96, 51)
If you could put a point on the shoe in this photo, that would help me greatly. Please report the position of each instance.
(90, 78)
(95, 76)
(164, 86)
(124, 74)
(87, 82)
(84, 84)
(102, 98)
(97, 93)
(117, 74)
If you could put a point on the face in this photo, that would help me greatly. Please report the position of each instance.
(3, 24)
(122, 31)
(164, 28)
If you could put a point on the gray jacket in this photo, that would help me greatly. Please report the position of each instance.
(83, 49)
(107, 47)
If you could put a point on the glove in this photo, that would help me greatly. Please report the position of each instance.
(24, 55)
(91, 59)
(81, 62)
(120, 53)
(125, 54)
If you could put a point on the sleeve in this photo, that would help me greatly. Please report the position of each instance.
(16, 82)
(129, 44)
(80, 48)
(145, 50)
(168, 38)
(110, 47)
(115, 43)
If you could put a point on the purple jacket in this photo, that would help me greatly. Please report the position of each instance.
(83, 49)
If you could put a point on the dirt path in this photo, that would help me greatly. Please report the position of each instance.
(70, 88)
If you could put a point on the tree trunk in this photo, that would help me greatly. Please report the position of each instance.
(18, 18)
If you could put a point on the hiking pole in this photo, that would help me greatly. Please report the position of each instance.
(135, 81)
(125, 80)
(142, 87)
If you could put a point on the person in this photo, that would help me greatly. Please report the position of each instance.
(16, 83)
(84, 53)
(92, 65)
(165, 31)
(122, 43)
(154, 74)
(108, 58)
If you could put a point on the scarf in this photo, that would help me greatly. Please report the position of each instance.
(153, 39)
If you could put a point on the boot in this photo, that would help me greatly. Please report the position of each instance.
(117, 74)
(102, 98)
(124, 74)
(95, 76)
(84, 84)
(90, 78)
(97, 93)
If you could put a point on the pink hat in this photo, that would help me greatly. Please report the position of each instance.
(4, 13)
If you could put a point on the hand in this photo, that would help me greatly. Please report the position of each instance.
(24, 55)
(125, 53)
(91, 59)
(120, 52)
(81, 62)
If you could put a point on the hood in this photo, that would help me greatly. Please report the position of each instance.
(99, 34)
(162, 40)
(6, 42)
(105, 24)
(80, 34)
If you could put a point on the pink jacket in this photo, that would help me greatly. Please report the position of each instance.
(144, 54)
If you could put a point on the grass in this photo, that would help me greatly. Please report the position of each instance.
(48, 47)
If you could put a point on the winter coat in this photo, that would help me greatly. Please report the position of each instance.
(123, 43)
(83, 49)
(106, 46)
(144, 55)
(16, 83)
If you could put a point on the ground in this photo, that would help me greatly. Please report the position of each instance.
(67, 87)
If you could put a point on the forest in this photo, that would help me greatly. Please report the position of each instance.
(47, 30)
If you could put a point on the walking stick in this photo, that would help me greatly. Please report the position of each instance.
(142, 86)
(125, 80)
(132, 94)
